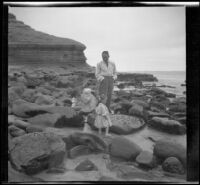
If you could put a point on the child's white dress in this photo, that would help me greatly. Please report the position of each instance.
(102, 118)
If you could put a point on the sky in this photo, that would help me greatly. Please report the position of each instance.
(137, 38)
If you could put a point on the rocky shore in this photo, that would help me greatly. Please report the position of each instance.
(148, 136)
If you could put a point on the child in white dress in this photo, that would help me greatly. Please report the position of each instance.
(102, 119)
(86, 105)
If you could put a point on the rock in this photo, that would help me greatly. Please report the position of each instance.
(136, 110)
(123, 124)
(79, 150)
(17, 177)
(161, 100)
(152, 114)
(45, 120)
(69, 118)
(167, 125)
(12, 97)
(34, 128)
(173, 165)
(121, 107)
(129, 172)
(18, 123)
(136, 77)
(164, 149)
(37, 151)
(142, 103)
(170, 95)
(86, 165)
(124, 148)
(177, 107)
(29, 95)
(94, 142)
(146, 159)
(15, 131)
(43, 90)
(17, 89)
(182, 120)
(25, 109)
(44, 100)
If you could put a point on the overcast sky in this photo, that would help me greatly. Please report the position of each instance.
(137, 38)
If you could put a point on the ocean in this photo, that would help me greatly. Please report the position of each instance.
(168, 78)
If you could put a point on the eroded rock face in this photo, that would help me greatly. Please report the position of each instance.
(124, 148)
(173, 165)
(35, 152)
(164, 149)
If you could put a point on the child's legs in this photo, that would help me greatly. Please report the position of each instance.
(107, 130)
(100, 131)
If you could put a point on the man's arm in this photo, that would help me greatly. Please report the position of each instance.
(98, 73)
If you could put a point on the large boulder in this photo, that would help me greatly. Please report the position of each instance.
(167, 125)
(124, 148)
(37, 151)
(124, 124)
(17, 177)
(70, 118)
(45, 120)
(121, 124)
(164, 149)
(173, 165)
(94, 142)
(25, 109)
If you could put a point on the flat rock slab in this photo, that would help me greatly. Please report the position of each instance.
(123, 124)
(34, 152)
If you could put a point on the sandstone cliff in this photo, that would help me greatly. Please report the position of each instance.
(28, 46)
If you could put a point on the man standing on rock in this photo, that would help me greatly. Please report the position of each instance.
(106, 74)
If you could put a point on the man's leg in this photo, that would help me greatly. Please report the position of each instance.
(103, 87)
(110, 90)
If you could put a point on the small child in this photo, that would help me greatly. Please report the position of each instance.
(102, 118)
(86, 106)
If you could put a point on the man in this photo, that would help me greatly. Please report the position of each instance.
(106, 74)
